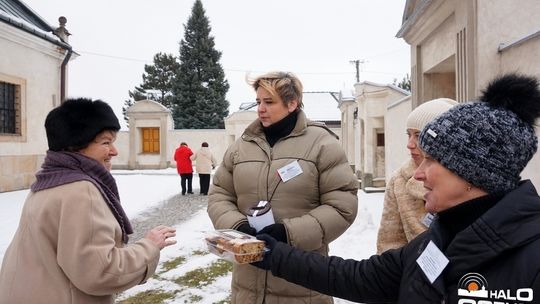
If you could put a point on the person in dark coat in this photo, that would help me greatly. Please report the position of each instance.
(483, 244)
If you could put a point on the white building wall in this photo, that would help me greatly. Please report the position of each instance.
(503, 22)
(236, 123)
(35, 63)
(395, 124)
(122, 145)
(484, 27)
(194, 138)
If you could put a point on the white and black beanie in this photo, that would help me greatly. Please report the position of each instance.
(488, 142)
(76, 122)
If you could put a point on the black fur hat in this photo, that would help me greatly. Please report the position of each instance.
(76, 122)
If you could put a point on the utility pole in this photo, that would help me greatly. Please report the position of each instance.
(357, 65)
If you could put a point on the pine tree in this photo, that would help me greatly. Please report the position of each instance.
(137, 94)
(405, 83)
(159, 78)
(200, 86)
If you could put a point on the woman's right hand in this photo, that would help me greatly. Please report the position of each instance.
(161, 235)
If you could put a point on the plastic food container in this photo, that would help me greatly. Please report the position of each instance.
(235, 246)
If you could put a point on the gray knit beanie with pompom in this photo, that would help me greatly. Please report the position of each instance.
(488, 142)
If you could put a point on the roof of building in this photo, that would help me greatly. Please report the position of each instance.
(391, 86)
(17, 14)
(411, 13)
(22, 11)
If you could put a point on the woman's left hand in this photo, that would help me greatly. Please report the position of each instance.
(161, 235)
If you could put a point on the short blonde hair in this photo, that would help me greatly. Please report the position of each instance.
(284, 85)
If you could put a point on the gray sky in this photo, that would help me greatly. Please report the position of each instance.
(315, 39)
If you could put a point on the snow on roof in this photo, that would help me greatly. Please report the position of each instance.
(394, 87)
(22, 11)
(22, 16)
(321, 106)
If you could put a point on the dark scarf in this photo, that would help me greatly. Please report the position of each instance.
(61, 168)
(280, 129)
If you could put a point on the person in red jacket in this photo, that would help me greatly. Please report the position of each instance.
(184, 167)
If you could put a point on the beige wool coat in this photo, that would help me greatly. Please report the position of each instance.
(68, 249)
(403, 210)
(316, 206)
(204, 160)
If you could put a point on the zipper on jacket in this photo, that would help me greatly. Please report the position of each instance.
(270, 156)
(264, 289)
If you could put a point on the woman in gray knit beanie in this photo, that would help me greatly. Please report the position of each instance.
(483, 244)
(484, 144)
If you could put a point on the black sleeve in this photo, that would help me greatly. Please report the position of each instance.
(375, 280)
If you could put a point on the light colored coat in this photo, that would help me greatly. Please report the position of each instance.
(204, 161)
(316, 206)
(403, 210)
(68, 249)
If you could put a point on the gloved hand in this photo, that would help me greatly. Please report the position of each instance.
(247, 229)
(270, 244)
(277, 231)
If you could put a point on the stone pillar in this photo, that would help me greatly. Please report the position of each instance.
(163, 132)
(367, 175)
(132, 142)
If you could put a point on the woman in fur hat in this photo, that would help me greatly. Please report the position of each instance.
(71, 243)
(404, 216)
(483, 244)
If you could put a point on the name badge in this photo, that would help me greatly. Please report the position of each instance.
(432, 261)
(428, 219)
(290, 171)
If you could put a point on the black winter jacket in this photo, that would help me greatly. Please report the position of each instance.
(502, 245)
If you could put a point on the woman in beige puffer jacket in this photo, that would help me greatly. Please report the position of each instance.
(313, 207)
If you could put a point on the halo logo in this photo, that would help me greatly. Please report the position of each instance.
(474, 285)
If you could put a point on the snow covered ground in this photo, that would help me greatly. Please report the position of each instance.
(357, 242)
